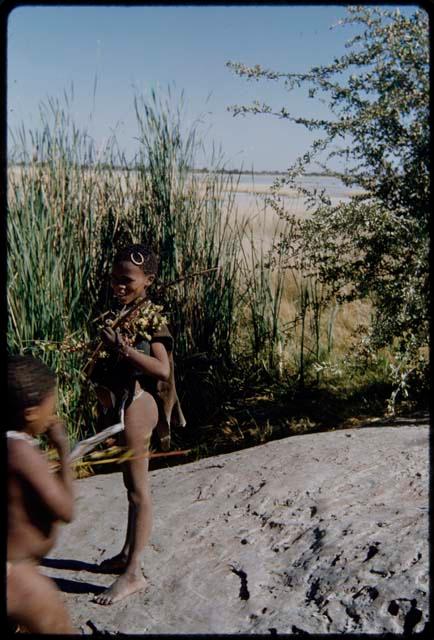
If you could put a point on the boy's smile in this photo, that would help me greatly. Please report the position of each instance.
(129, 282)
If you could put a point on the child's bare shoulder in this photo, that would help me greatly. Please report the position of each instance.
(29, 467)
(25, 457)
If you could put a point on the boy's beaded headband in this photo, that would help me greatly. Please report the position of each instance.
(135, 261)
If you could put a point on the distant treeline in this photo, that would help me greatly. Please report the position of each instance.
(260, 173)
(136, 167)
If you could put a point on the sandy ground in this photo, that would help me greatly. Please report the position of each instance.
(318, 533)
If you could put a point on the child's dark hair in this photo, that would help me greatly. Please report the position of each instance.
(29, 382)
(141, 255)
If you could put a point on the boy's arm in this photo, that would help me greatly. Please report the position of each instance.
(156, 365)
(29, 464)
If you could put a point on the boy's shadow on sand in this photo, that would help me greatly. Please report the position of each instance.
(71, 586)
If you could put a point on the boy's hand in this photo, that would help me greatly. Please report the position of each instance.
(111, 339)
(57, 434)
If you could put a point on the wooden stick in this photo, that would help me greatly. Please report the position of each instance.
(189, 275)
(91, 463)
(184, 452)
(85, 446)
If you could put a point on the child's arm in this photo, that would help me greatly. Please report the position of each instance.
(54, 491)
(59, 439)
(156, 365)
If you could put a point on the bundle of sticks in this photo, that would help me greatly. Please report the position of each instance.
(123, 317)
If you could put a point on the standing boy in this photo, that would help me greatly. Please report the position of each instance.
(128, 383)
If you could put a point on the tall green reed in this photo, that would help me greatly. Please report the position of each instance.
(72, 206)
(192, 223)
(262, 305)
(52, 224)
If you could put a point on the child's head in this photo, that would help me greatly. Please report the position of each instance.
(134, 270)
(31, 394)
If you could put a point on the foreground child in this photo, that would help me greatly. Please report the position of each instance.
(138, 359)
(37, 498)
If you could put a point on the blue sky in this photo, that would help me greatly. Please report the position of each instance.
(136, 49)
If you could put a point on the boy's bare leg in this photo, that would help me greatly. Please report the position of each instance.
(140, 419)
(34, 601)
(118, 563)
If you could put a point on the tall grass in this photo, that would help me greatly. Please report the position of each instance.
(71, 206)
(263, 291)
(192, 224)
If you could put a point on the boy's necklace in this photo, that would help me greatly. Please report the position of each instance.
(22, 435)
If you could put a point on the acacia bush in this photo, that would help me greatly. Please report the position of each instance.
(376, 246)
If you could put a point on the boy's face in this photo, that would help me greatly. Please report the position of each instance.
(129, 282)
(38, 418)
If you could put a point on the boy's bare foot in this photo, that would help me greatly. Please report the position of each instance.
(116, 564)
(124, 586)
